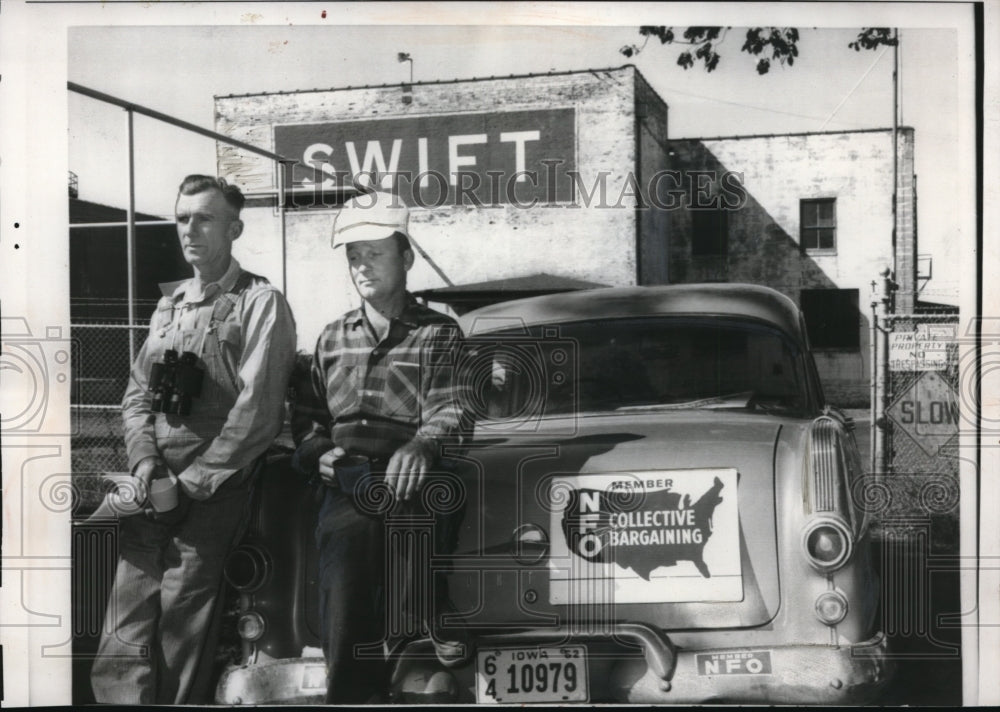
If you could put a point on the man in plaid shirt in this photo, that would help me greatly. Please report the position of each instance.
(384, 389)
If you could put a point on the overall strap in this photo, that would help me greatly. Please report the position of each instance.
(226, 302)
(223, 307)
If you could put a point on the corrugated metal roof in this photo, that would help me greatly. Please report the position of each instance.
(86, 211)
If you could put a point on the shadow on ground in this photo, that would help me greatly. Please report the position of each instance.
(920, 614)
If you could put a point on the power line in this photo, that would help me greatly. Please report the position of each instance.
(791, 113)
(751, 106)
(853, 89)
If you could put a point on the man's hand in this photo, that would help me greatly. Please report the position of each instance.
(172, 516)
(149, 469)
(326, 465)
(408, 467)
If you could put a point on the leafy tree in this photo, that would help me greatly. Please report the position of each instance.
(768, 44)
(872, 37)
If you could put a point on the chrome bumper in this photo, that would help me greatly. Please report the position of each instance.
(800, 674)
(285, 681)
(663, 674)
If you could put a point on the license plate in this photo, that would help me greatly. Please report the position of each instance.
(513, 675)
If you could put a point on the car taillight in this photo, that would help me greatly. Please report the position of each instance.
(829, 535)
(529, 544)
(827, 487)
(831, 607)
(251, 626)
(828, 543)
(246, 568)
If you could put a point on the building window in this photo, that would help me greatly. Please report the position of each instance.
(818, 224)
(709, 233)
(832, 318)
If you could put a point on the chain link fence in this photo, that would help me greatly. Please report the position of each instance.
(923, 437)
(921, 423)
(102, 371)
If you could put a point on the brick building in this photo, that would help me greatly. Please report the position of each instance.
(816, 224)
(604, 127)
(571, 180)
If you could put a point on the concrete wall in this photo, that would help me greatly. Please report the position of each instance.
(653, 220)
(593, 240)
(763, 248)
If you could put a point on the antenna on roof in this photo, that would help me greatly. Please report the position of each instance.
(405, 57)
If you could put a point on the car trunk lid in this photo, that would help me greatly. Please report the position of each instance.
(666, 519)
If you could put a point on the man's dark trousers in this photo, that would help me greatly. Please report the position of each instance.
(374, 572)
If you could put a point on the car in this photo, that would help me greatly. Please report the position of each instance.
(657, 506)
(664, 511)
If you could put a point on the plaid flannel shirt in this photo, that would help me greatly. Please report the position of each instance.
(371, 397)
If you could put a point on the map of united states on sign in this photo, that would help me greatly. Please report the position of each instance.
(664, 529)
(646, 537)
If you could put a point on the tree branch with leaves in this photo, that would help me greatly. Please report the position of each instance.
(768, 44)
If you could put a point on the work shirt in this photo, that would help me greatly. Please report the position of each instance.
(247, 359)
(371, 396)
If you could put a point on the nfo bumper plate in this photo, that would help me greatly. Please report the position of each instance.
(804, 674)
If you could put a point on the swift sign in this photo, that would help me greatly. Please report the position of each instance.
(512, 157)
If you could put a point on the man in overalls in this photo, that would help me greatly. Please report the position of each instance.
(205, 399)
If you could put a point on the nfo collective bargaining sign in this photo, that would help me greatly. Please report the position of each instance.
(662, 536)
(506, 157)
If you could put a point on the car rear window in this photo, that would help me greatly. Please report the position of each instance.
(611, 365)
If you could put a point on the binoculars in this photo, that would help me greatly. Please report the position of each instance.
(175, 382)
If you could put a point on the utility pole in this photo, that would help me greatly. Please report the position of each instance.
(895, 145)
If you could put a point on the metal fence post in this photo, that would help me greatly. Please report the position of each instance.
(130, 236)
(873, 370)
(883, 373)
(880, 372)
(282, 167)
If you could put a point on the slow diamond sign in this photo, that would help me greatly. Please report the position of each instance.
(927, 412)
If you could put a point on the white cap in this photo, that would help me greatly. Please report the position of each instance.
(370, 216)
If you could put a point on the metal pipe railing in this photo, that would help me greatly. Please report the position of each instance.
(137, 223)
(283, 161)
(166, 118)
